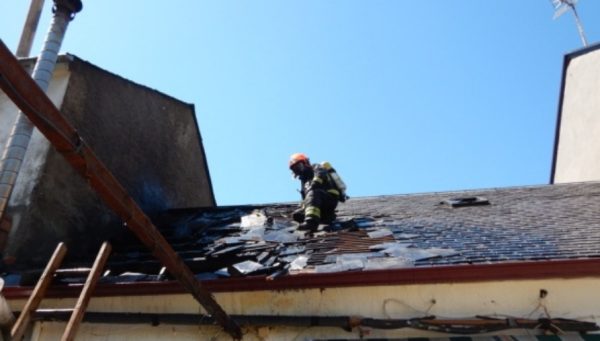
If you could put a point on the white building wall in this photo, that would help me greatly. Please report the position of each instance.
(578, 154)
(38, 145)
(566, 298)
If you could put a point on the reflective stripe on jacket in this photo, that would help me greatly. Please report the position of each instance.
(321, 180)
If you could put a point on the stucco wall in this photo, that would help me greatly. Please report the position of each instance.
(566, 298)
(149, 141)
(38, 147)
(32, 170)
(578, 153)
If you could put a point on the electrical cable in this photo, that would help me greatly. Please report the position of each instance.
(400, 302)
(430, 323)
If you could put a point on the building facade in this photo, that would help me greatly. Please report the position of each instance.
(577, 139)
(150, 142)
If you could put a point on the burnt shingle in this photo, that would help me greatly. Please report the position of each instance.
(536, 223)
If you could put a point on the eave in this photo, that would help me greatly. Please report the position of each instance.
(510, 271)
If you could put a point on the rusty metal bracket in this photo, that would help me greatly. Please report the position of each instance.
(40, 110)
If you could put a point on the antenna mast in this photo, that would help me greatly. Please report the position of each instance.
(561, 6)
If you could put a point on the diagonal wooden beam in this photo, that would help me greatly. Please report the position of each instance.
(40, 110)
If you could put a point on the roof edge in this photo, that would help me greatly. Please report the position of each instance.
(581, 51)
(577, 268)
(204, 159)
(563, 82)
(71, 58)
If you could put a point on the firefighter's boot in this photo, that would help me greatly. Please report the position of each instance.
(310, 224)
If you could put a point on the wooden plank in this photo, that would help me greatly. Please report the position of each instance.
(38, 293)
(86, 293)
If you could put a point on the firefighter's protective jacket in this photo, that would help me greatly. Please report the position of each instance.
(320, 180)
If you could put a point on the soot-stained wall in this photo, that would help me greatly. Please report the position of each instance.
(148, 140)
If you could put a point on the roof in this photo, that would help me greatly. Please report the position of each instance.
(394, 237)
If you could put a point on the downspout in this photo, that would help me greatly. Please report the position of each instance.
(20, 135)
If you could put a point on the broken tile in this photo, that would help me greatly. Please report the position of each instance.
(247, 266)
(222, 272)
(270, 261)
(231, 249)
(442, 252)
(255, 233)
(347, 256)
(262, 256)
(253, 220)
(364, 223)
(283, 224)
(292, 250)
(229, 240)
(299, 263)
(346, 265)
(405, 236)
(383, 263)
(384, 246)
(379, 233)
(280, 236)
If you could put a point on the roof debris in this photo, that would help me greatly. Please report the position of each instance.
(377, 233)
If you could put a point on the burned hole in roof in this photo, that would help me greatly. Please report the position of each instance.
(226, 243)
(465, 201)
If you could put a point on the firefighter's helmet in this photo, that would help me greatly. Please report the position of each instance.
(298, 158)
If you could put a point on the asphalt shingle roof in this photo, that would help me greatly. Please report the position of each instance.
(536, 223)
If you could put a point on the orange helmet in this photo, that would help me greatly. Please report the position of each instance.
(298, 157)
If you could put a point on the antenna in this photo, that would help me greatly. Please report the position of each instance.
(562, 6)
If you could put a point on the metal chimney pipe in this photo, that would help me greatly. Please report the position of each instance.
(31, 23)
(18, 140)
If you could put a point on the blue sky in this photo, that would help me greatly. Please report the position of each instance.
(400, 96)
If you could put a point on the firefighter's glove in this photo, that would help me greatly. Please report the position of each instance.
(298, 215)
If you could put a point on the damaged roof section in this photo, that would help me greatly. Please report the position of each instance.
(557, 222)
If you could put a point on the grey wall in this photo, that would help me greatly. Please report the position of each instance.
(21, 201)
(149, 141)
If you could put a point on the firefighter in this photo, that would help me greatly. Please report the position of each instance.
(320, 195)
